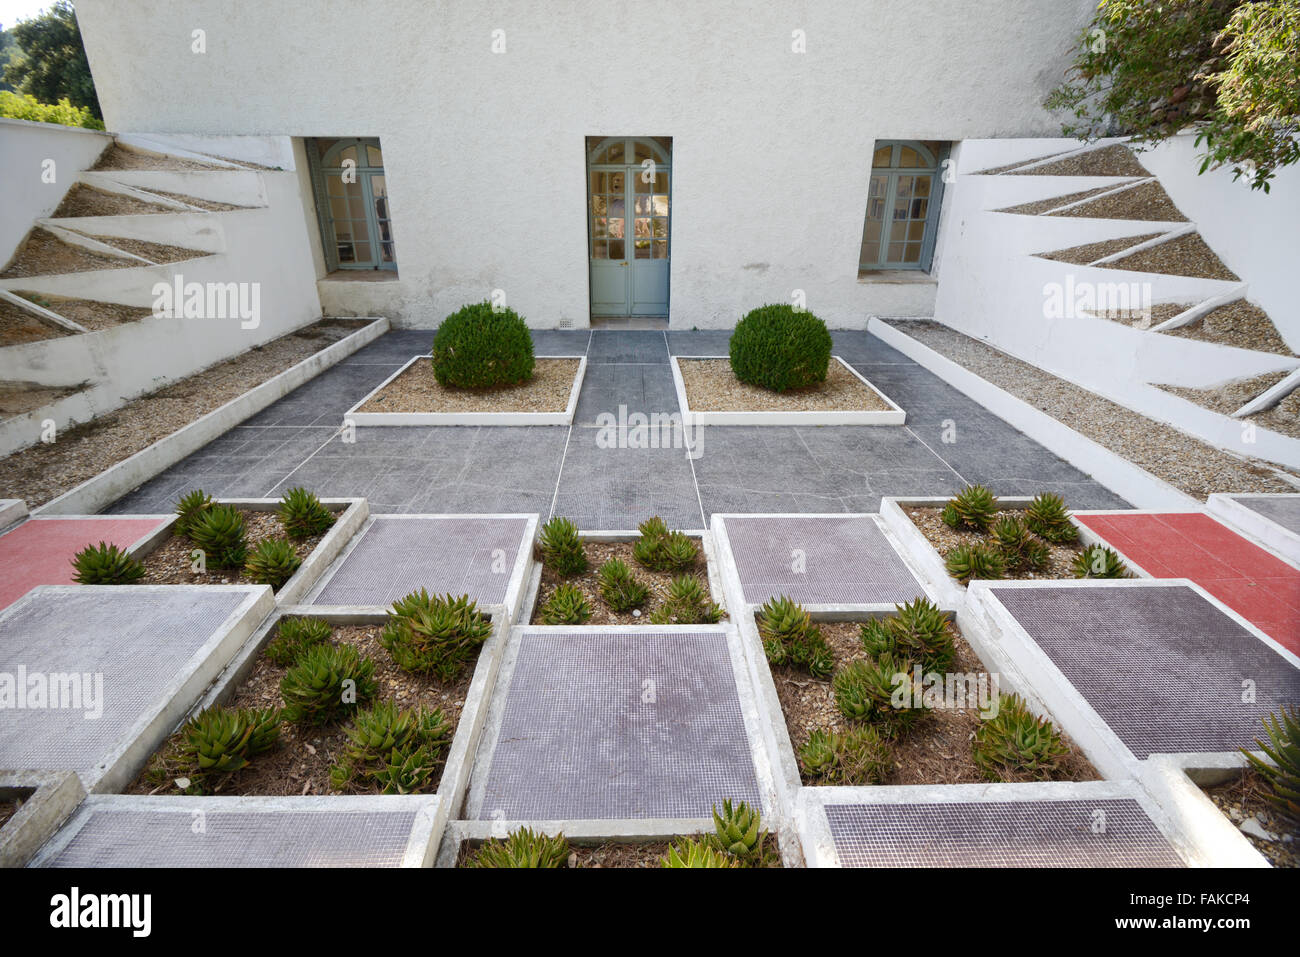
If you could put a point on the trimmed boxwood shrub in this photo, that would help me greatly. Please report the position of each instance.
(479, 348)
(776, 347)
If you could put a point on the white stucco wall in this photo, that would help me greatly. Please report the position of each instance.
(484, 152)
(25, 195)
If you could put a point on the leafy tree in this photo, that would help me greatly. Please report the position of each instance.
(7, 49)
(50, 62)
(1230, 69)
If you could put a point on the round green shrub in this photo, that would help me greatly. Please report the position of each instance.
(479, 348)
(776, 347)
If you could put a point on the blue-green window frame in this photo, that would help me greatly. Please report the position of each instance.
(323, 166)
(933, 166)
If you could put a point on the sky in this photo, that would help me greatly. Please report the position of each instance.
(11, 11)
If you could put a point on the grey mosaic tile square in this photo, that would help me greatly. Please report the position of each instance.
(604, 725)
(1282, 509)
(1163, 667)
(1085, 833)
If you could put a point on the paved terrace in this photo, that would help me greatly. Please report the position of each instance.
(563, 470)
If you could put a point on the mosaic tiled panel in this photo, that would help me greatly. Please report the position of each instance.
(1162, 666)
(457, 556)
(137, 641)
(1282, 509)
(818, 561)
(131, 837)
(1086, 833)
(605, 725)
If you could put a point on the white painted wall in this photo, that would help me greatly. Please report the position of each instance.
(484, 152)
(24, 194)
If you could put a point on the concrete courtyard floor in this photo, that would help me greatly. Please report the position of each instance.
(948, 441)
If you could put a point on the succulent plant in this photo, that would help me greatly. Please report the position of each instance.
(923, 633)
(523, 848)
(1016, 742)
(620, 589)
(688, 603)
(662, 550)
(975, 561)
(1283, 775)
(1019, 548)
(326, 683)
(220, 740)
(738, 832)
(817, 755)
(859, 756)
(406, 771)
(697, 853)
(790, 638)
(1097, 561)
(972, 507)
(293, 636)
(435, 636)
(106, 564)
(188, 509)
(303, 515)
(1047, 518)
(653, 528)
(864, 690)
(562, 548)
(272, 562)
(397, 751)
(219, 531)
(877, 639)
(566, 606)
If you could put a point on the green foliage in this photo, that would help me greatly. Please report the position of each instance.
(435, 636)
(1016, 742)
(220, 740)
(688, 603)
(106, 564)
(1019, 548)
(326, 683)
(864, 689)
(272, 562)
(780, 348)
(1047, 518)
(397, 751)
(738, 832)
(480, 347)
(219, 531)
(697, 853)
(1283, 749)
(188, 510)
(566, 606)
(859, 756)
(523, 848)
(922, 633)
(620, 589)
(1097, 561)
(50, 63)
(877, 638)
(293, 636)
(562, 548)
(303, 515)
(1151, 68)
(817, 757)
(662, 550)
(972, 507)
(975, 561)
(790, 638)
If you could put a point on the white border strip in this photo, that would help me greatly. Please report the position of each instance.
(1253, 525)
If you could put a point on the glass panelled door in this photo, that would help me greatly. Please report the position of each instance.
(628, 188)
(356, 191)
(901, 205)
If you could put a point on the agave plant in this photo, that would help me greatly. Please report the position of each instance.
(407, 772)
(303, 515)
(435, 636)
(272, 562)
(738, 832)
(662, 550)
(975, 561)
(326, 683)
(188, 509)
(864, 690)
(399, 751)
(566, 606)
(220, 740)
(817, 755)
(923, 633)
(1017, 742)
(972, 507)
(1283, 775)
(561, 547)
(219, 531)
(293, 636)
(877, 639)
(1047, 518)
(106, 564)
(688, 603)
(790, 638)
(1020, 549)
(696, 853)
(620, 589)
(859, 756)
(523, 848)
(1097, 561)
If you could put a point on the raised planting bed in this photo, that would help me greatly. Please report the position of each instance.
(33, 804)
(710, 394)
(591, 853)
(413, 396)
(1244, 801)
(653, 585)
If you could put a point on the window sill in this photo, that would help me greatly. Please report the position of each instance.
(912, 276)
(360, 275)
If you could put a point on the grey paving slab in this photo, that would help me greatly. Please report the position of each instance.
(1284, 510)
(999, 834)
(818, 560)
(620, 391)
(128, 644)
(394, 556)
(1162, 666)
(627, 346)
(150, 836)
(602, 725)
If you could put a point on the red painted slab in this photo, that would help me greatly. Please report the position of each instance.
(39, 551)
(1260, 587)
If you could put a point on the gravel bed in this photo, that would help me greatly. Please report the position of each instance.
(1243, 802)
(1000, 170)
(41, 472)
(154, 252)
(1179, 459)
(210, 205)
(1144, 319)
(1230, 397)
(45, 254)
(1043, 205)
(117, 157)
(1184, 256)
(18, 326)
(300, 763)
(416, 390)
(171, 563)
(711, 386)
(83, 200)
(1060, 563)
(1091, 252)
(16, 398)
(1241, 323)
(1116, 160)
(1147, 202)
(935, 749)
(91, 313)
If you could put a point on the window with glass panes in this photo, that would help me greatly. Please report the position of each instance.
(902, 205)
(352, 200)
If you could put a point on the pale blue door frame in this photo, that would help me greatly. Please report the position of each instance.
(629, 189)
